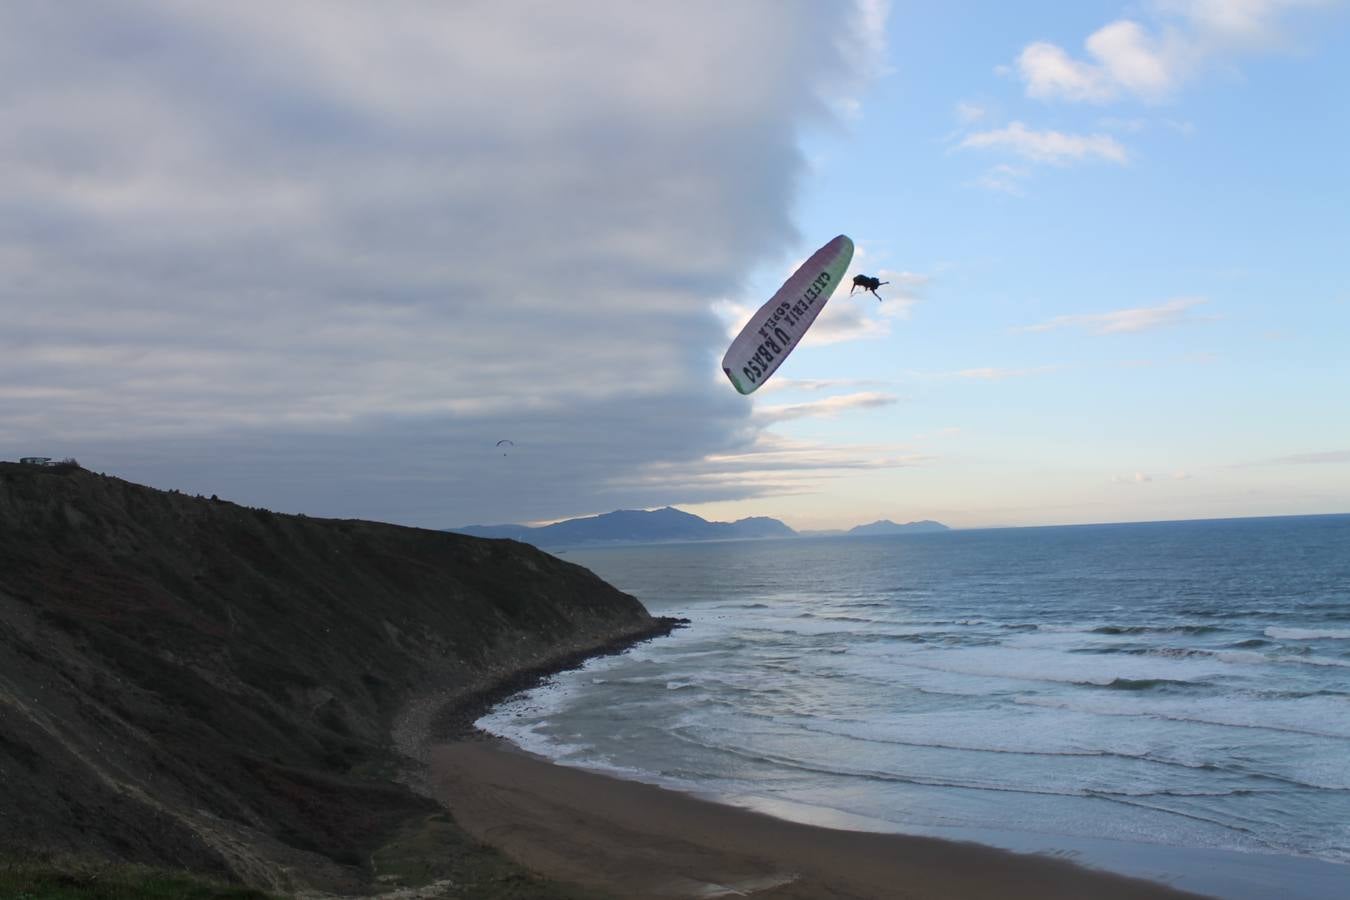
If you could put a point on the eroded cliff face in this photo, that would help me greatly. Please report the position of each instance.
(195, 683)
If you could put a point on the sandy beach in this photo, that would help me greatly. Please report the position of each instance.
(638, 841)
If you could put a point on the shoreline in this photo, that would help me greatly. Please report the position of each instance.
(454, 720)
(639, 841)
(635, 840)
(586, 828)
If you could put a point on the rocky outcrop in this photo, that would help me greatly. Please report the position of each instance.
(193, 683)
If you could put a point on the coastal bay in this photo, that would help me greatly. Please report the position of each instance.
(643, 842)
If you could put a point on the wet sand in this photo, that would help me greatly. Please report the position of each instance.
(637, 841)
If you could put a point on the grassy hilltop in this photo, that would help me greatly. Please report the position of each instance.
(191, 684)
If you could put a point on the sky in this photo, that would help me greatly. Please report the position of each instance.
(321, 257)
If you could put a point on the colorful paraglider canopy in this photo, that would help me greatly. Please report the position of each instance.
(779, 325)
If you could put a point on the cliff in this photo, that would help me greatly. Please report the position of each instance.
(192, 683)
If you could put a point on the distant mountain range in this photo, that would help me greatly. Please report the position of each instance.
(636, 526)
(886, 526)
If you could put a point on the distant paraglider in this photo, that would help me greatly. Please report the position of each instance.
(867, 281)
(505, 443)
(778, 325)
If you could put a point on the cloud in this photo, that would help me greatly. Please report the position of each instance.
(318, 263)
(814, 384)
(839, 322)
(777, 457)
(1004, 178)
(1151, 62)
(849, 317)
(1050, 72)
(967, 113)
(1048, 146)
(1239, 24)
(868, 29)
(1327, 457)
(845, 317)
(1126, 321)
(771, 466)
(902, 292)
(827, 408)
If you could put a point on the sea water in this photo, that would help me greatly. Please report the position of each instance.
(1090, 690)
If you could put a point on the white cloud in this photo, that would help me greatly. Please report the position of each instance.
(1004, 178)
(1134, 60)
(814, 385)
(1049, 146)
(870, 30)
(967, 113)
(1326, 457)
(1245, 24)
(841, 320)
(773, 466)
(846, 317)
(259, 257)
(827, 408)
(1150, 62)
(904, 288)
(773, 453)
(859, 315)
(1126, 321)
(1050, 72)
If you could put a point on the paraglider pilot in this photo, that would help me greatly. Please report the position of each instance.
(867, 281)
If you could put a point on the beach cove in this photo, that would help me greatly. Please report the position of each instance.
(1034, 690)
(643, 842)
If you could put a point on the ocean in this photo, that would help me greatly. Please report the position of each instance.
(1169, 699)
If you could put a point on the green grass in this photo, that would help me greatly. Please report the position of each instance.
(430, 850)
(80, 879)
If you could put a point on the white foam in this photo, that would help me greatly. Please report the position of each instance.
(1308, 634)
(531, 738)
(926, 693)
(1011, 730)
(1054, 666)
(1327, 716)
(1249, 657)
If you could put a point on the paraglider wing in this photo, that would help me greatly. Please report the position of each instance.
(778, 326)
(512, 443)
